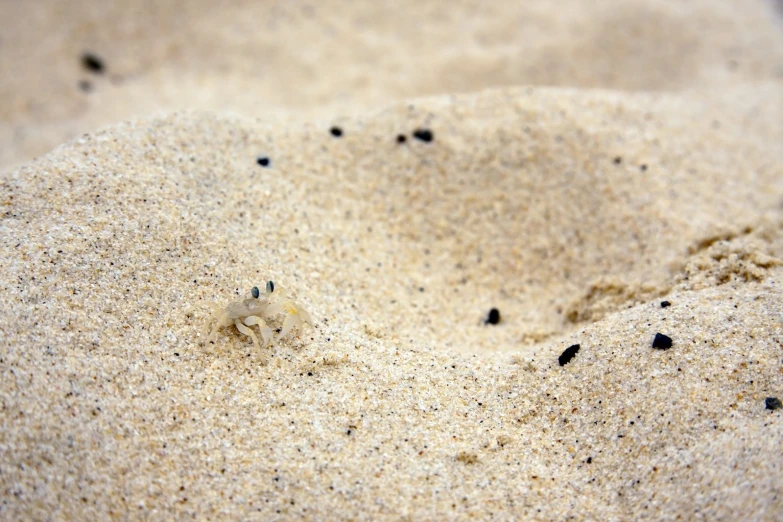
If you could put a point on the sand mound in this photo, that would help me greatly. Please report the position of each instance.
(587, 217)
(531, 201)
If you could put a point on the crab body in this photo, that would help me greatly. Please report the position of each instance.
(254, 309)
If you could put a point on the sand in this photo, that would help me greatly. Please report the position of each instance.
(598, 173)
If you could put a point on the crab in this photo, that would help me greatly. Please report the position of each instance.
(253, 309)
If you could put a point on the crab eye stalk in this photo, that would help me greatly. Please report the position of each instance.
(270, 287)
(254, 292)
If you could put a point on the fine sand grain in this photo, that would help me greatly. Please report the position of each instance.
(587, 216)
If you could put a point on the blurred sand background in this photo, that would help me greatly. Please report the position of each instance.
(589, 161)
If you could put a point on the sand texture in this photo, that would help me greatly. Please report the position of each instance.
(600, 172)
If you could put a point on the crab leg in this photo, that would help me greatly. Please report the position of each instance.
(290, 321)
(214, 318)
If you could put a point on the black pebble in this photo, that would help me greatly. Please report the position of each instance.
(662, 342)
(618, 160)
(263, 161)
(93, 63)
(401, 138)
(664, 304)
(424, 135)
(493, 317)
(568, 354)
(336, 132)
(772, 403)
(254, 292)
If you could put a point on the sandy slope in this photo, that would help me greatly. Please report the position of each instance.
(574, 211)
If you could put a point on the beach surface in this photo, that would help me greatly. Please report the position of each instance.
(608, 177)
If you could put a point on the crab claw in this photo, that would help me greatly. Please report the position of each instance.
(295, 315)
(266, 332)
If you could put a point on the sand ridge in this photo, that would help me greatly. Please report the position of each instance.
(576, 211)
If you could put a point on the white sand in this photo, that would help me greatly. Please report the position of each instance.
(575, 212)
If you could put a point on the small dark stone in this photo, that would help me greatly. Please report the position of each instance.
(336, 132)
(664, 304)
(568, 354)
(424, 135)
(662, 342)
(618, 160)
(772, 403)
(401, 138)
(589, 460)
(255, 292)
(263, 161)
(93, 63)
(643, 167)
(493, 317)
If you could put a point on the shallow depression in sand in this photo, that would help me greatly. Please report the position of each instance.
(554, 219)
(530, 209)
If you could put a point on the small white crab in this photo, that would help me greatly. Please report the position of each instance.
(254, 309)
